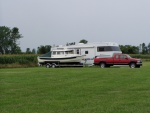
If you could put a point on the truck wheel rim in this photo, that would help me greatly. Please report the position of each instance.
(102, 65)
(132, 65)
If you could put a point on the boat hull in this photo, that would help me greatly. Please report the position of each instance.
(74, 59)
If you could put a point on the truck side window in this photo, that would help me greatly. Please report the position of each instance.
(117, 56)
(122, 57)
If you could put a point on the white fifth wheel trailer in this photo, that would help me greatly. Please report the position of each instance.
(91, 50)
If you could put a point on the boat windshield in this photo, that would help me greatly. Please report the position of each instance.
(46, 55)
(60, 52)
(69, 52)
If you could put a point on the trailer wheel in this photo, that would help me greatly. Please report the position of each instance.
(53, 65)
(48, 65)
(102, 65)
(132, 65)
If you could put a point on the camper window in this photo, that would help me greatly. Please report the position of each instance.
(108, 48)
(115, 48)
(86, 52)
(100, 49)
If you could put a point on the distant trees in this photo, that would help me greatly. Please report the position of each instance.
(142, 48)
(145, 49)
(8, 40)
(33, 51)
(83, 41)
(43, 49)
(28, 51)
(128, 49)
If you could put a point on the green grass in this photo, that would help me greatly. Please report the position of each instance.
(75, 90)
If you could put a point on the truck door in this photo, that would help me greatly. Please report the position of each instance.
(123, 60)
(116, 59)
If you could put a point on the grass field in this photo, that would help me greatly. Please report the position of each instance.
(75, 90)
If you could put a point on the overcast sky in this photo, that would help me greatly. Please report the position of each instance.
(49, 22)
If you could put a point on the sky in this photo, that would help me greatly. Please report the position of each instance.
(57, 22)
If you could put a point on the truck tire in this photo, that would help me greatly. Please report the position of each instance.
(132, 65)
(102, 65)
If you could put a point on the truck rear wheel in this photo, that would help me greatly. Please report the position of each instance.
(102, 65)
(132, 65)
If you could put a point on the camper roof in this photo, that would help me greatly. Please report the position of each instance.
(88, 45)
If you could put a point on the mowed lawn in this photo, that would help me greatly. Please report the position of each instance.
(75, 90)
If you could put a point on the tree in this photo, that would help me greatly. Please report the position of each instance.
(148, 47)
(83, 41)
(28, 51)
(48, 48)
(8, 40)
(43, 49)
(144, 48)
(128, 49)
(33, 51)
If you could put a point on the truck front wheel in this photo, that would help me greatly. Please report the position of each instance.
(102, 65)
(132, 65)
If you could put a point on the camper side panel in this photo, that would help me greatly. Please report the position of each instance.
(89, 55)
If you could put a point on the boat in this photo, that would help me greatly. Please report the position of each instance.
(65, 56)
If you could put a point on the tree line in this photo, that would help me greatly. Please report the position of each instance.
(141, 49)
(9, 44)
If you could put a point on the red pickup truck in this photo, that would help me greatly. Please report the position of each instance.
(117, 59)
